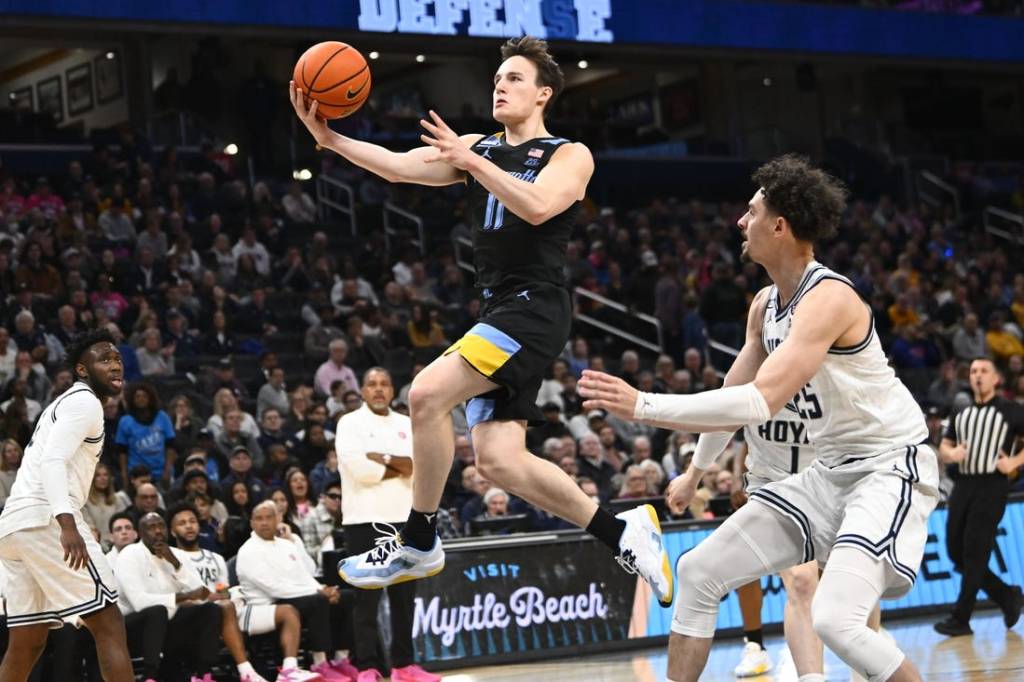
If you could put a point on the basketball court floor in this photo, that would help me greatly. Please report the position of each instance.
(992, 653)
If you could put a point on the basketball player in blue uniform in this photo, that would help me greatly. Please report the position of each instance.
(524, 189)
(864, 503)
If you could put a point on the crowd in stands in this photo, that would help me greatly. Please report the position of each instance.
(246, 323)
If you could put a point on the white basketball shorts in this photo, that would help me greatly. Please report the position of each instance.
(41, 588)
(879, 505)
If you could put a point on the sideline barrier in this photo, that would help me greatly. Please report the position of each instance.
(529, 597)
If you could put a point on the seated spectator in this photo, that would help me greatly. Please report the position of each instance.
(322, 521)
(272, 394)
(186, 424)
(279, 462)
(280, 500)
(196, 481)
(319, 335)
(10, 461)
(475, 505)
(218, 340)
(224, 401)
(592, 464)
(334, 368)
(272, 430)
(495, 506)
(298, 205)
(8, 351)
(969, 339)
(101, 504)
(1003, 343)
(19, 393)
(612, 448)
(553, 427)
(423, 328)
(146, 501)
(137, 475)
(196, 461)
(295, 418)
(145, 435)
(259, 619)
(300, 503)
(232, 437)
(238, 502)
(209, 527)
(240, 470)
(152, 573)
(36, 383)
(15, 425)
(184, 341)
(634, 484)
(121, 530)
(274, 568)
(314, 446)
(655, 476)
(28, 336)
(324, 472)
(154, 360)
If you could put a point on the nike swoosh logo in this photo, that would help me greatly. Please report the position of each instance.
(352, 94)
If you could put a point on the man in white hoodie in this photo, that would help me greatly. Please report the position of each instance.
(152, 573)
(274, 568)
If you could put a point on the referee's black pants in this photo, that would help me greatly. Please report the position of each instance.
(360, 538)
(976, 506)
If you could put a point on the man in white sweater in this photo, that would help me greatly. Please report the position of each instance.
(152, 573)
(274, 568)
(253, 619)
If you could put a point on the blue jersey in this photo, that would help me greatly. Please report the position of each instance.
(146, 443)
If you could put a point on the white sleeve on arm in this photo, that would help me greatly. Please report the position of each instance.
(77, 417)
(721, 408)
(709, 446)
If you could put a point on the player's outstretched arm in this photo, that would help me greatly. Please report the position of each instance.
(412, 166)
(827, 314)
(561, 182)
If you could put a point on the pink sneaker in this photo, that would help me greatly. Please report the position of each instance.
(329, 674)
(413, 673)
(345, 667)
(370, 675)
(297, 675)
(208, 677)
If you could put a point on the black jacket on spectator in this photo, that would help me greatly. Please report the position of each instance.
(601, 475)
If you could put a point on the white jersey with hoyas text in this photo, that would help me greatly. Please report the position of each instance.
(69, 433)
(854, 406)
(779, 447)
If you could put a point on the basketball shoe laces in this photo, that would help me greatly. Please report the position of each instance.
(387, 544)
(628, 561)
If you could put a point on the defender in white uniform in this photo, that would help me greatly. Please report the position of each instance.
(56, 571)
(864, 502)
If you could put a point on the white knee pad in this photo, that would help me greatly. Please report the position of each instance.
(699, 593)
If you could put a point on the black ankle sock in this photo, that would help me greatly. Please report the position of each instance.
(420, 530)
(606, 528)
(756, 636)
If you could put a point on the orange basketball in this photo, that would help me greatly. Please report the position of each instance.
(335, 75)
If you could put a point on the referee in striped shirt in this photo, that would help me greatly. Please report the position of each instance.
(978, 441)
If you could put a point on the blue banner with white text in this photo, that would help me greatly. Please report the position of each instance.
(737, 24)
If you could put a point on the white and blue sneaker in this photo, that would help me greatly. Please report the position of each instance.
(642, 553)
(391, 562)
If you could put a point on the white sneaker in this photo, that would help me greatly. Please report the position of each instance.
(755, 661)
(391, 562)
(641, 551)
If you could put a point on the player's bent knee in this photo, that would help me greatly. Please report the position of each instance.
(830, 623)
(802, 584)
(699, 581)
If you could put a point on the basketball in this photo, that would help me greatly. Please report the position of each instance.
(335, 75)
